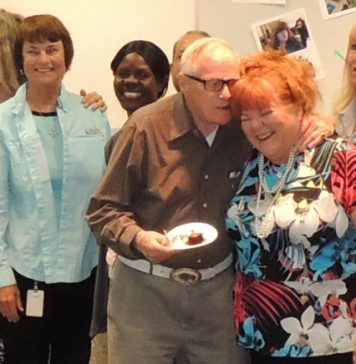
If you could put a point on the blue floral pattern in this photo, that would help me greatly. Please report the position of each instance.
(295, 292)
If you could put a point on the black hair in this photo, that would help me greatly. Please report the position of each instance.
(153, 56)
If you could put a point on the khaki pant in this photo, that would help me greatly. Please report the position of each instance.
(152, 319)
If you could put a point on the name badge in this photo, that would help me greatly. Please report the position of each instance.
(34, 304)
(92, 131)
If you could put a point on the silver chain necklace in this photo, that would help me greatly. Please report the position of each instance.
(261, 222)
(53, 133)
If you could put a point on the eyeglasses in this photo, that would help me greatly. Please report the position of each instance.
(214, 85)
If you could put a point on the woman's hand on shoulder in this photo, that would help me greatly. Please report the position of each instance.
(93, 100)
(10, 303)
(315, 127)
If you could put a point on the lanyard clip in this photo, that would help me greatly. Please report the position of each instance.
(35, 287)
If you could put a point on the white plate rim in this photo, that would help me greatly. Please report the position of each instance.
(197, 227)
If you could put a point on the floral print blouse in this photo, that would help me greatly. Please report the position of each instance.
(295, 292)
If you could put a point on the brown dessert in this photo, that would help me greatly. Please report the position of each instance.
(195, 238)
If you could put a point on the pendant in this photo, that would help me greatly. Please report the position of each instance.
(53, 133)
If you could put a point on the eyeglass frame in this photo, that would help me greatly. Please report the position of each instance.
(204, 82)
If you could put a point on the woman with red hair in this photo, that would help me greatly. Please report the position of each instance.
(293, 221)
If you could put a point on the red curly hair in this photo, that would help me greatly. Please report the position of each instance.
(274, 76)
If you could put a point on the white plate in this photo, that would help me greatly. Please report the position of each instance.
(179, 235)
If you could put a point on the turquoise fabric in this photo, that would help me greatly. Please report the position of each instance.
(33, 239)
(49, 129)
(295, 286)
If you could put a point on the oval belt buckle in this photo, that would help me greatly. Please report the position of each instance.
(186, 276)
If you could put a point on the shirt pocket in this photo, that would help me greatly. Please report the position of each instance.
(86, 157)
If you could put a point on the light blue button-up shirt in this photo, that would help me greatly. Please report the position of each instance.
(33, 241)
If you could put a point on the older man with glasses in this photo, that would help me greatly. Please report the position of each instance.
(214, 84)
(176, 161)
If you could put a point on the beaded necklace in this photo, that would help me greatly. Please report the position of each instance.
(261, 222)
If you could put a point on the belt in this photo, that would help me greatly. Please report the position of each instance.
(186, 276)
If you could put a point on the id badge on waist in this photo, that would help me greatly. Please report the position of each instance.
(34, 302)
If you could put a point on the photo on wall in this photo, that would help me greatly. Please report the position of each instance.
(334, 8)
(291, 32)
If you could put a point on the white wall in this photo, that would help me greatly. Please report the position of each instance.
(232, 21)
(100, 28)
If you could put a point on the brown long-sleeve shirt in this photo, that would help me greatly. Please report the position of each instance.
(162, 173)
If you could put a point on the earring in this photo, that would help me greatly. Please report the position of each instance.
(21, 72)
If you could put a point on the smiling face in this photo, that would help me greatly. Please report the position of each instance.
(209, 108)
(273, 130)
(44, 62)
(275, 92)
(134, 83)
(351, 57)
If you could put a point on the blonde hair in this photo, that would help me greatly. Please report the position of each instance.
(348, 90)
(272, 76)
(9, 80)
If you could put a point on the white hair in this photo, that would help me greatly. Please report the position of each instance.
(204, 46)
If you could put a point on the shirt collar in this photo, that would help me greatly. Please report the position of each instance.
(20, 99)
(182, 122)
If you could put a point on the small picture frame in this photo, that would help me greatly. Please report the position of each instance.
(334, 8)
(291, 32)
